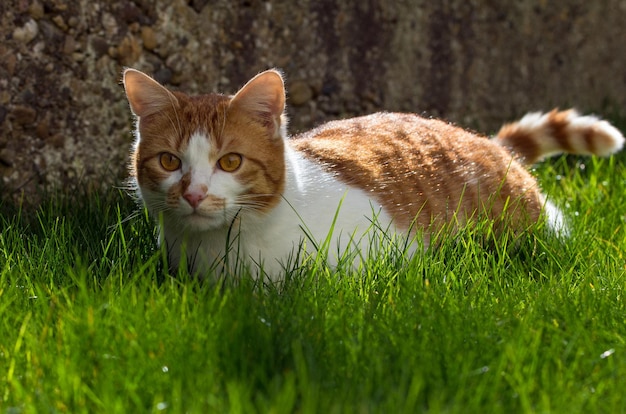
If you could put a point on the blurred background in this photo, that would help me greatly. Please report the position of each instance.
(64, 119)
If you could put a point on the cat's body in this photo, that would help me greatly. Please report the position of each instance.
(231, 188)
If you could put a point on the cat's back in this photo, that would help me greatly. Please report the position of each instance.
(381, 136)
(412, 165)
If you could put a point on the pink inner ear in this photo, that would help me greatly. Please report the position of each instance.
(267, 119)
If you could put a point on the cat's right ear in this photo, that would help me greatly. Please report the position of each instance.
(145, 95)
(263, 98)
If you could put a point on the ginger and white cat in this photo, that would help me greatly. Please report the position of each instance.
(230, 188)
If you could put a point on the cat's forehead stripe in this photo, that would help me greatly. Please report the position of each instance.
(198, 148)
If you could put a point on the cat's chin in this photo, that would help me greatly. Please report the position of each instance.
(197, 222)
(203, 222)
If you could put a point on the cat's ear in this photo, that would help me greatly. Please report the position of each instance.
(145, 95)
(263, 98)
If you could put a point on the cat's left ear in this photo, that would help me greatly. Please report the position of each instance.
(263, 98)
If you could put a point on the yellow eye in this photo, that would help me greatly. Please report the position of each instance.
(230, 162)
(169, 162)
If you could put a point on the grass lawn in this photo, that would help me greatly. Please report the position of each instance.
(90, 322)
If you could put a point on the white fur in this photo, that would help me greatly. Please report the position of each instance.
(555, 219)
(611, 139)
(197, 160)
(270, 240)
(608, 139)
(310, 203)
(197, 155)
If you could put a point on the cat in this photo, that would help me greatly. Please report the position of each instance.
(229, 188)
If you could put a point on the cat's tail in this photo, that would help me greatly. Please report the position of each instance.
(538, 135)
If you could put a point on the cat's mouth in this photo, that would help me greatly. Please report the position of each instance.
(199, 220)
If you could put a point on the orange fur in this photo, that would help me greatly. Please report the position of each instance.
(424, 169)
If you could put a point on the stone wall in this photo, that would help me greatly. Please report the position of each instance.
(64, 119)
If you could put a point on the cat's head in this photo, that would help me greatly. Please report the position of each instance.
(202, 160)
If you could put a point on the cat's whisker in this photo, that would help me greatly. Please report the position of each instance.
(159, 207)
(131, 217)
(251, 207)
(223, 120)
(253, 201)
(175, 125)
(180, 128)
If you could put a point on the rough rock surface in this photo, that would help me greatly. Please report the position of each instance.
(63, 116)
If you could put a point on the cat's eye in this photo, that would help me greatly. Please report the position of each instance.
(230, 162)
(169, 162)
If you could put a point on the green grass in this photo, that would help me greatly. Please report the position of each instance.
(90, 321)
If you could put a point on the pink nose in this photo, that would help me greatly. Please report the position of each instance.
(194, 198)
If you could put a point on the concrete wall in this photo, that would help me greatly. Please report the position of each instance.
(63, 116)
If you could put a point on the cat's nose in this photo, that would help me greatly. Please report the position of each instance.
(194, 198)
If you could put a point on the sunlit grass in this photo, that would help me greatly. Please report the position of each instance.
(91, 322)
